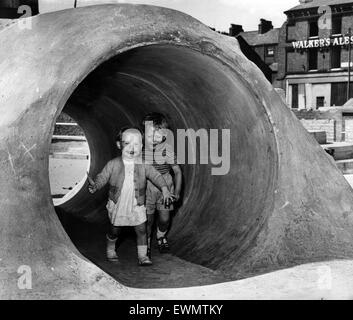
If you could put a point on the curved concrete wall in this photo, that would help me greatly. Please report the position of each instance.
(283, 202)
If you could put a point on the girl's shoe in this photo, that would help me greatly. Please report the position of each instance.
(111, 252)
(163, 245)
(144, 261)
(113, 259)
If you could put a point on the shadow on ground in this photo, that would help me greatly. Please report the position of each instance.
(168, 271)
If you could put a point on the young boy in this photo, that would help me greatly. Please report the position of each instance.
(127, 176)
(158, 152)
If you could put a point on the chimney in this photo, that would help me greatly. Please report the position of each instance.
(235, 29)
(305, 1)
(265, 26)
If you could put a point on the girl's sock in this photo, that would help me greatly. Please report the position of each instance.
(110, 251)
(160, 234)
(142, 251)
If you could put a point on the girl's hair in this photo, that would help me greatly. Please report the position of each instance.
(159, 120)
(119, 136)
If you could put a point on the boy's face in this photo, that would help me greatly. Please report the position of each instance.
(131, 144)
(154, 136)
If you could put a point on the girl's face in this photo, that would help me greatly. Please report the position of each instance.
(131, 144)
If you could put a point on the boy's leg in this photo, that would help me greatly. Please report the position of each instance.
(141, 236)
(164, 217)
(152, 194)
(112, 237)
(162, 229)
(150, 221)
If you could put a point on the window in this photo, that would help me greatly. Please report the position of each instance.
(313, 28)
(313, 54)
(295, 96)
(337, 25)
(291, 33)
(339, 93)
(336, 57)
(270, 51)
(320, 102)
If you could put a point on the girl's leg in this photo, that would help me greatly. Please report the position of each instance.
(114, 232)
(141, 235)
(112, 237)
(162, 229)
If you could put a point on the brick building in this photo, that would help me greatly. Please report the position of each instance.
(313, 55)
(264, 42)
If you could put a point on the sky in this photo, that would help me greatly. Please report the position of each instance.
(218, 14)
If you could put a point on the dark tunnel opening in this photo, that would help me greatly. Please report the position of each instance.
(219, 216)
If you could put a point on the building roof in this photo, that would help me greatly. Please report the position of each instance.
(318, 3)
(253, 38)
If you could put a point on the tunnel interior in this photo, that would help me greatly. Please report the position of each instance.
(219, 215)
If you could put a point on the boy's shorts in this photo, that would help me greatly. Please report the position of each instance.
(154, 197)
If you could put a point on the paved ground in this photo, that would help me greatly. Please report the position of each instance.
(167, 271)
(64, 174)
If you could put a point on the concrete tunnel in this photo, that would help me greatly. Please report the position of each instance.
(108, 65)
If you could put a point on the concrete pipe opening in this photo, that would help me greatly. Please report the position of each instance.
(220, 214)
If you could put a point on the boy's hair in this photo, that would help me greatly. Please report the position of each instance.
(119, 136)
(159, 120)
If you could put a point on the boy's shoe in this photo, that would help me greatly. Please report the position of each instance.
(111, 252)
(163, 245)
(144, 261)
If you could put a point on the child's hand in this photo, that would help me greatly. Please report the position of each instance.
(168, 197)
(92, 188)
(176, 197)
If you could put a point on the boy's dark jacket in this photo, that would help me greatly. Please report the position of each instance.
(114, 174)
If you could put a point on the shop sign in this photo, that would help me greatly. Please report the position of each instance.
(323, 42)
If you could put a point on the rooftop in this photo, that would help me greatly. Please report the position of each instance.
(253, 38)
(318, 3)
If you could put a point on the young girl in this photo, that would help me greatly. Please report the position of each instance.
(127, 176)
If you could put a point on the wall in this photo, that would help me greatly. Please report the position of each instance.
(296, 62)
(327, 125)
(320, 90)
(328, 119)
(347, 22)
